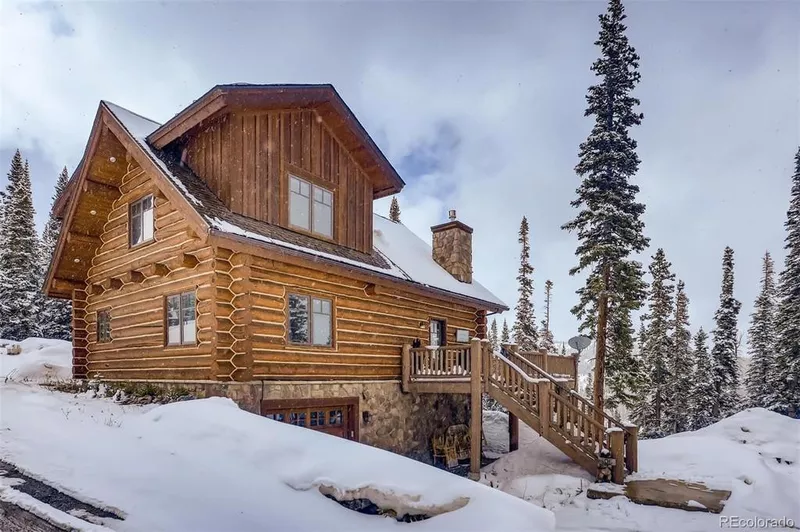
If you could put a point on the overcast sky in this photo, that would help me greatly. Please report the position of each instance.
(478, 105)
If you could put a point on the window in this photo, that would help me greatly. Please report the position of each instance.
(310, 207)
(140, 221)
(437, 330)
(103, 326)
(181, 319)
(310, 320)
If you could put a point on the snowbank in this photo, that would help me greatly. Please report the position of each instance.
(41, 360)
(206, 465)
(754, 454)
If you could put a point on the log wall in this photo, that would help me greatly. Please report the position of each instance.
(132, 284)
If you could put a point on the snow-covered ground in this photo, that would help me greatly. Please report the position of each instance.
(206, 465)
(748, 454)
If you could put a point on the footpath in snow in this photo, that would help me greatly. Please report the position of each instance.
(206, 465)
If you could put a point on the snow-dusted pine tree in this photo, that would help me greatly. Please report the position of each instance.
(761, 337)
(726, 332)
(609, 224)
(785, 379)
(681, 362)
(19, 257)
(505, 336)
(525, 332)
(56, 315)
(701, 395)
(494, 339)
(394, 210)
(547, 341)
(649, 414)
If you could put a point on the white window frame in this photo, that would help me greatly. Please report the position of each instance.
(139, 220)
(312, 202)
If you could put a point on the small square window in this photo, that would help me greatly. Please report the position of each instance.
(140, 221)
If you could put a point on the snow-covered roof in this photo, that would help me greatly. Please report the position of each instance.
(398, 252)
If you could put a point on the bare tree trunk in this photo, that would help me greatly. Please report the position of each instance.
(600, 345)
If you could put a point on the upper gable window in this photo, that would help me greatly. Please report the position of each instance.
(140, 218)
(310, 207)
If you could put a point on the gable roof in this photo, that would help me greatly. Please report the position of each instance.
(323, 98)
(398, 255)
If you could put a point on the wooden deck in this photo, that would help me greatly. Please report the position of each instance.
(547, 403)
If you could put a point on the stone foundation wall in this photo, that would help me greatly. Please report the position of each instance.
(388, 418)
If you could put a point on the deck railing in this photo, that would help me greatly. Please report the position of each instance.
(440, 363)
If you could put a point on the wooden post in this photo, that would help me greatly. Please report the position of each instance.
(476, 410)
(513, 432)
(406, 368)
(632, 448)
(575, 372)
(545, 357)
(545, 408)
(617, 437)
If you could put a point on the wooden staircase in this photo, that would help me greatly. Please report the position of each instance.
(544, 402)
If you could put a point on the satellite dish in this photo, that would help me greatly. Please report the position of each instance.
(579, 343)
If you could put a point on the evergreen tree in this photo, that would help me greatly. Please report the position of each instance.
(563, 350)
(726, 365)
(526, 335)
(547, 335)
(394, 210)
(56, 315)
(505, 336)
(761, 337)
(19, 257)
(785, 379)
(657, 348)
(701, 396)
(609, 224)
(494, 340)
(681, 363)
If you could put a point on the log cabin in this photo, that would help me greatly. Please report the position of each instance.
(234, 250)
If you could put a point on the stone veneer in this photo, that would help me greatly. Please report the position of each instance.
(387, 417)
(452, 249)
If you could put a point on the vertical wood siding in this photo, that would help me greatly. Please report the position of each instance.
(245, 158)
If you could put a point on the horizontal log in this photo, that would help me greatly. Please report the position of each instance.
(146, 352)
(203, 360)
(320, 358)
(321, 371)
(154, 374)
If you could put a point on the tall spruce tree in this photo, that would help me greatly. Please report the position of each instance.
(681, 364)
(494, 340)
(394, 210)
(701, 396)
(609, 224)
(547, 341)
(505, 336)
(525, 332)
(19, 256)
(657, 348)
(761, 337)
(726, 333)
(785, 379)
(56, 314)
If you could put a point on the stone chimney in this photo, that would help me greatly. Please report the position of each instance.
(452, 248)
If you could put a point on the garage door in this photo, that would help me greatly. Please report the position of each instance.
(331, 416)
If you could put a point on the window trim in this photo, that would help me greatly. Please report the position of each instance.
(443, 321)
(180, 318)
(312, 182)
(107, 311)
(309, 344)
(152, 239)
